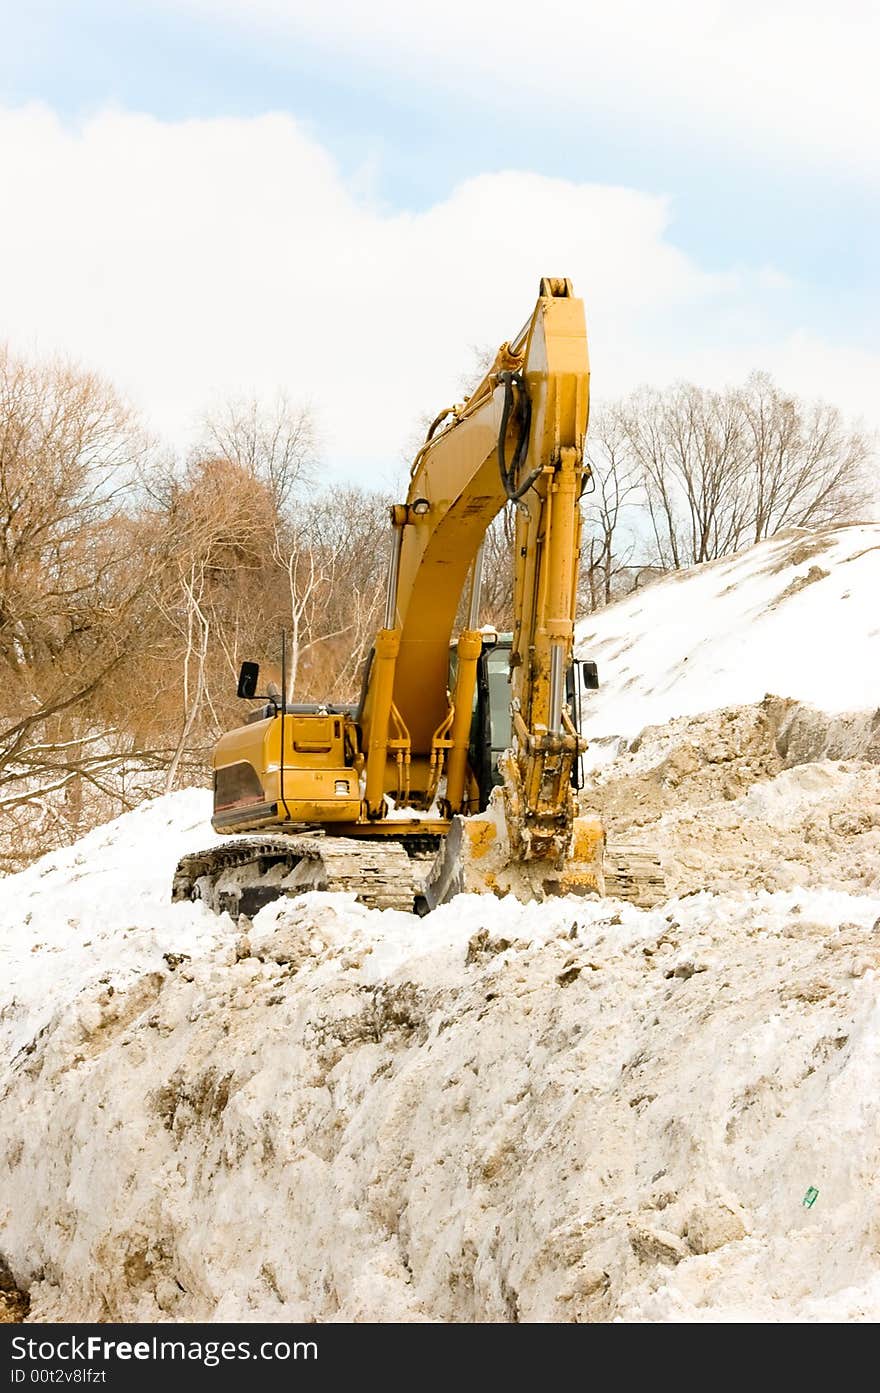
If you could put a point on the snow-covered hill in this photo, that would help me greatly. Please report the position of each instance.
(576, 1110)
(797, 616)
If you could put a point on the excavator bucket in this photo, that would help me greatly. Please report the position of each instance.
(476, 858)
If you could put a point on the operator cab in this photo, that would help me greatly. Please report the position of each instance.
(491, 723)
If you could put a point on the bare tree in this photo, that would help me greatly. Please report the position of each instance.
(721, 469)
(77, 570)
(335, 580)
(305, 577)
(70, 581)
(350, 532)
(215, 592)
(805, 466)
(689, 448)
(197, 632)
(613, 491)
(496, 605)
(275, 442)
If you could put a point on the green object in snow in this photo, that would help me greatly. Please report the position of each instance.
(810, 1197)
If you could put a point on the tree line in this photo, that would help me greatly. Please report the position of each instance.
(690, 475)
(133, 584)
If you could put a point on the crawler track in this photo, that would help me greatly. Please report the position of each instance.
(240, 877)
(633, 873)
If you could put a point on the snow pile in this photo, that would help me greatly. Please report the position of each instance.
(768, 797)
(575, 1110)
(98, 907)
(795, 616)
(568, 1111)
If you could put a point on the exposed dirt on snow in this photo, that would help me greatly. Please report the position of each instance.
(14, 1304)
(758, 797)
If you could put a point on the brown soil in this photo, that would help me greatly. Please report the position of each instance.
(14, 1304)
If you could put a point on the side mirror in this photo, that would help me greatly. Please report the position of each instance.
(247, 680)
(591, 676)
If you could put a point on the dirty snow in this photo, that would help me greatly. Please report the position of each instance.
(575, 1110)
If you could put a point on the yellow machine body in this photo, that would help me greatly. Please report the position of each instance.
(520, 435)
(318, 785)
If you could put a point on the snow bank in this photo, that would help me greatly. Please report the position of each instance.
(568, 1111)
(97, 907)
(795, 616)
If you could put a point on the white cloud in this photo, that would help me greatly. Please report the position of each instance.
(802, 362)
(196, 259)
(795, 78)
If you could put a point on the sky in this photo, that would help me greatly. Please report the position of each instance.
(204, 200)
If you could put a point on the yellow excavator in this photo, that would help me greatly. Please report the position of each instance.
(458, 769)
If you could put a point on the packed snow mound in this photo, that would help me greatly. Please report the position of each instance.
(575, 1110)
(770, 797)
(796, 616)
(98, 907)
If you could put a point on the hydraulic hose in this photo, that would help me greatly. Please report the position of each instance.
(516, 403)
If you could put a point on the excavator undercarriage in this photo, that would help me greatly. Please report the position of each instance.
(240, 877)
